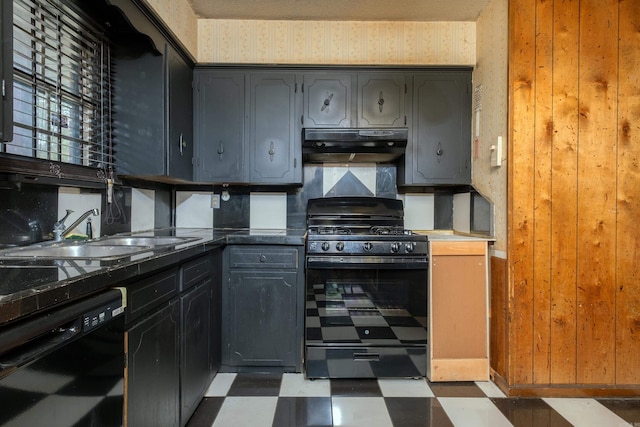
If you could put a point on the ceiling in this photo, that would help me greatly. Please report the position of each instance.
(341, 10)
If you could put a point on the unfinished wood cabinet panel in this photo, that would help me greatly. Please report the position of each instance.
(572, 307)
(458, 312)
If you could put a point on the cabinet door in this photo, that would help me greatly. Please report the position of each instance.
(274, 132)
(441, 148)
(261, 318)
(179, 116)
(194, 365)
(381, 100)
(327, 100)
(219, 126)
(152, 387)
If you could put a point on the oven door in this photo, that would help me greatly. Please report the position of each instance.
(365, 319)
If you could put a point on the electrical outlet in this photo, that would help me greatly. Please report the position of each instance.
(215, 201)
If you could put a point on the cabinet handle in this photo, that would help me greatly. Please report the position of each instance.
(439, 151)
(272, 151)
(326, 102)
(380, 101)
(182, 143)
(220, 150)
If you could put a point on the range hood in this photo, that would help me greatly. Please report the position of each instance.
(353, 145)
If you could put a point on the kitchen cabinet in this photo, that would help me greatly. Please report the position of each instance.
(381, 99)
(327, 100)
(439, 148)
(247, 127)
(195, 334)
(262, 312)
(152, 351)
(219, 110)
(274, 143)
(458, 307)
(153, 123)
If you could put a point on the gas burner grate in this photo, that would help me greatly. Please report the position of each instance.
(389, 231)
(333, 230)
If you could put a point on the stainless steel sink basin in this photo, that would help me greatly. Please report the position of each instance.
(152, 241)
(75, 251)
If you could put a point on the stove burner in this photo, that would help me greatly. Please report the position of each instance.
(389, 231)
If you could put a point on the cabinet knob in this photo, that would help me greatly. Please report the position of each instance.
(439, 151)
(326, 102)
(380, 101)
(263, 258)
(272, 151)
(220, 150)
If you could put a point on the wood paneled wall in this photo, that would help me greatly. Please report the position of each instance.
(573, 286)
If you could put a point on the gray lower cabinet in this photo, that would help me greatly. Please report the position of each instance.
(247, 127)
(152, 351)
(170, 342)
(439, 150)
(262, 307)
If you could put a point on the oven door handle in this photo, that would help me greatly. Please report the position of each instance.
(356, 262)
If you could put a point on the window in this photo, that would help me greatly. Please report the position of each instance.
(61, 86)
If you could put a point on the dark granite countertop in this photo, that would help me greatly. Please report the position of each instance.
(33, 285)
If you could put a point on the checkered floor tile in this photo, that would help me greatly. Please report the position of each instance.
(283, 400)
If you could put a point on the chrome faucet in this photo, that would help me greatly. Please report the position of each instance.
(60, 231)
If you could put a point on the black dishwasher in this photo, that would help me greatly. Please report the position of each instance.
(65, 367)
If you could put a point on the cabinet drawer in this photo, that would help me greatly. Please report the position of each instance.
(263, 257)
(195, 271)
(143, 296)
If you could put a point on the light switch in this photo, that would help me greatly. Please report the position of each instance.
(215, 201)
(496, 153)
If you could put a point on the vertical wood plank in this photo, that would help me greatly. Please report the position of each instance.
(564, 208)
(520, 187)
(542, 192)
(498, 344)
(628, 200)
(597, 191)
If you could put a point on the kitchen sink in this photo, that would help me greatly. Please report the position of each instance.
(151, 241)
(74, 251)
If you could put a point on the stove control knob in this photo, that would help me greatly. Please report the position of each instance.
(395, 247)
(409, 247)
(325, 246)
(340, 246)
(367, 246)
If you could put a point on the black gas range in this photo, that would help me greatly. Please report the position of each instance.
(366, 280)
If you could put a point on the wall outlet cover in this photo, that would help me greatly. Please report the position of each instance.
(215, 201)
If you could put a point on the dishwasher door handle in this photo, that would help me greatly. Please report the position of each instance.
(39, 347)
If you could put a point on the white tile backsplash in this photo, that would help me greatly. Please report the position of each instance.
(268, 210)
(142, 209)
(79, 201)
(193, 209)
(419, 211)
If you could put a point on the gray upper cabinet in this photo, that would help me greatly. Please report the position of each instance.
(219, 126)
(247, 127)
(381, 99)
(179, 119)
(274, 146)
(327, 100)
(439, 150)
(153, 122)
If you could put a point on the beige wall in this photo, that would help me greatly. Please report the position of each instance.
(491, 74)
(336, 42)
(181, 19)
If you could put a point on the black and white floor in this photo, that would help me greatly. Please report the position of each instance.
(283, 400)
